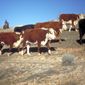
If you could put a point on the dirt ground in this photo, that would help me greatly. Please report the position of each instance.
(47, 69)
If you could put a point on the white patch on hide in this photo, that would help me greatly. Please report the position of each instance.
(51, 35)
(61, 30)
(28, 42)
(18, 33)
(2, 43)
(0, 52)
(28, 48)
(44, 42)
(43, 28)
(16, 44)
(49, 51)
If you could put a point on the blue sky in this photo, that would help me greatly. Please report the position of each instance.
(20, 12)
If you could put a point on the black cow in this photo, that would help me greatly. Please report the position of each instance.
(22, 28)
(81, 24)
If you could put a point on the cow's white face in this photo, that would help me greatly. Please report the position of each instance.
(51, 35)
(16, 44)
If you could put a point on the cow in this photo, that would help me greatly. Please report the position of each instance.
(19, 29)
(81, 24)
(40, 37)
(66, 25)
(11, 39)
(69, 17)
(56, 25)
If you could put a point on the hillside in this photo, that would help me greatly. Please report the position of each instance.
(65, 66)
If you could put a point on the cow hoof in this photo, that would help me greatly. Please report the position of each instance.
(39, 53)
(49, 52)
(28, 54)
(76, 30)
(21, 53)
(0, 52)
(9, 54)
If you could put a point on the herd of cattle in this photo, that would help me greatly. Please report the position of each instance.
(41, 33)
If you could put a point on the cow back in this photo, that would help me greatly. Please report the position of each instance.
(54, 25)
(34, 35)
(8, 37)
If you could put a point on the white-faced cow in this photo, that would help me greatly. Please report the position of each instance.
(81, 29)
(69, 20)
(51, 24)
(39, 37)
(9, 38)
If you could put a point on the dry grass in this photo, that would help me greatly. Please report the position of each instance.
(6, 30)
(45, 69)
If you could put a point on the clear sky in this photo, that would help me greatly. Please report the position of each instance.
(20, 12)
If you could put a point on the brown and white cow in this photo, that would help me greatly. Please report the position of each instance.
(9, 38)
(69, 20)
(51, 24)
(39, 37)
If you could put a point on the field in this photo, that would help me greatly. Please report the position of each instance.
(65, 66)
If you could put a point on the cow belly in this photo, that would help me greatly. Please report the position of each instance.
(29, 42)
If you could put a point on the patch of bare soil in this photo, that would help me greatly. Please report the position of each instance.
(65, 66)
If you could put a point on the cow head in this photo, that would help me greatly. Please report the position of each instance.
(51, 34)
(18, 42)
(1, 46)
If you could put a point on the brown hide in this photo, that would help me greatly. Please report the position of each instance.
(34, 35)
(67, 17)
(8, 37)
(55, 25)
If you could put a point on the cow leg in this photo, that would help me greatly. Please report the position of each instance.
(48, 46)
(28, 49)
(81, 35)
(58, 36)
(39, 45)
(10, 51)
(70, 28)
(0, 52)
(1, 46)
(21, 52)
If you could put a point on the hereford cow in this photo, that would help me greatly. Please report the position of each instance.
(69, 19)
(51, 24)
(81, 29)
(39, 37)
(22, 28)
(9, 38)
